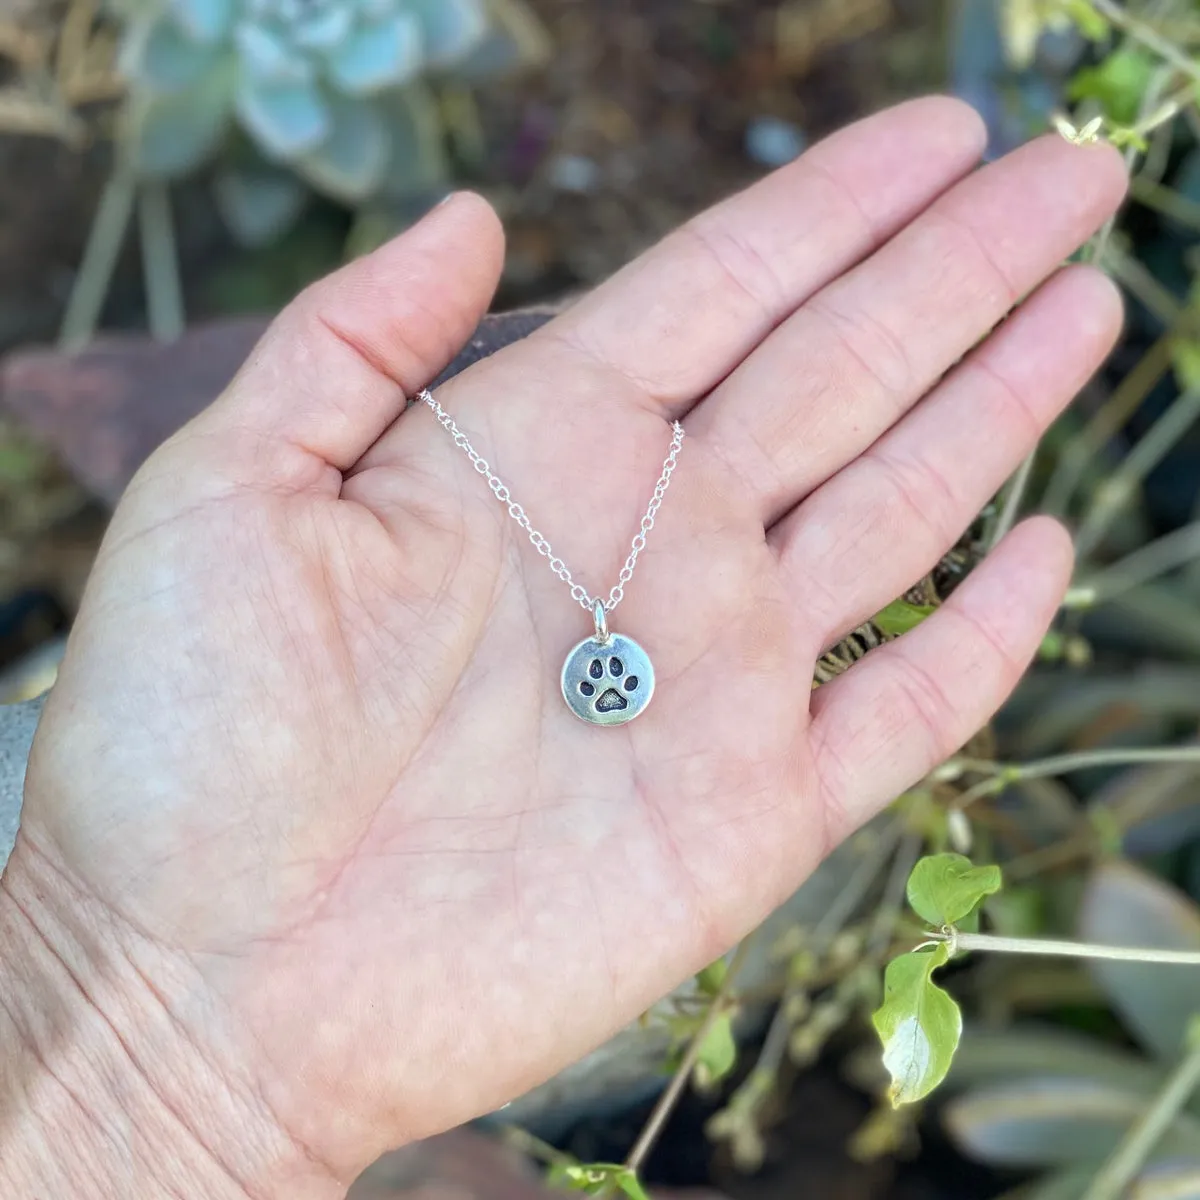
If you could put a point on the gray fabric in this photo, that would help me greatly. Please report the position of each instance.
(17, 725)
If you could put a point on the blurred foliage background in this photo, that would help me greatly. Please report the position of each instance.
(167, 164)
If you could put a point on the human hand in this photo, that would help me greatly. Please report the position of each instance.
(307, 785)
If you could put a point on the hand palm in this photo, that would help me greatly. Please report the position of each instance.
(329, 662)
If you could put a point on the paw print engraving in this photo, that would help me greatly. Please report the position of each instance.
(608, 682)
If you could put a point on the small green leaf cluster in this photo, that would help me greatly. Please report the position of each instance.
(598, 1179)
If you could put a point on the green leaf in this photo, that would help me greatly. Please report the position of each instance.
(168, 136)
(919, 1025)
(205, 20)
(718, 1052)
(451, 28)
(418, 163)
(350, 163)
(377, 56)
(709, 980)
(945, 888)
(629, 1183)
(900, 616)
(1044, 1121)
(599, 1178)
(287, 119)
(259, 205)
(157, 55)
(1124, 905)
(1118, 84)
(1185, 357)
(1087, 20)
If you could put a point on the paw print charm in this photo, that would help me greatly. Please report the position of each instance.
(607, 682)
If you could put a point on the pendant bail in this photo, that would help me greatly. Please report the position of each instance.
(601, 619)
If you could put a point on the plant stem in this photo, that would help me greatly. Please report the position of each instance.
(1013, 497)
(674, 1089)
(533, 1147)
(1153, 447)
(1063, 949)
(892, 902)
(840, 910)
(1138, 1144)
(94, 277)
(1000, 775)
(1150, 116)
(1154, 559)
(160, 263)
(1166, 200)
(1147, 35)
(1140, 282)
(1081, 451)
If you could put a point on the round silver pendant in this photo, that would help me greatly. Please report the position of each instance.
(607, 681)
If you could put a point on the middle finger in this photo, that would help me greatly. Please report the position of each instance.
(841, 371)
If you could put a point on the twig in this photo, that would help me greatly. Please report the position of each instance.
(893, 895)
(533, 1147)
(1165, 200)
(1150, 450)
(775, 1044)
(1147, 35)
(1151, 115)
(1127, 396)
(1013, 497)
(993, 943)
(1138, 280)
(1147, 1131)
(99, 260)
(1154, 559)
(1000, 775)
(674, 1089)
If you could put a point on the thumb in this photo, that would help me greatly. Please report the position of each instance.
(335, 369)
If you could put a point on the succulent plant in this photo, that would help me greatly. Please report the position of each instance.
(327, 88)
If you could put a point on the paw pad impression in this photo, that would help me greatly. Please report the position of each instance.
(608, 681)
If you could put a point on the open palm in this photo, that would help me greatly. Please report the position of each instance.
(308, 750)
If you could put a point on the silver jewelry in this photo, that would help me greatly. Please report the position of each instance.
(608, 678)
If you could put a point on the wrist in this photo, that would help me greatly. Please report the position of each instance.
(111, 1083)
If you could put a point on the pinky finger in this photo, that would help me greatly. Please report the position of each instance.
(908, 706)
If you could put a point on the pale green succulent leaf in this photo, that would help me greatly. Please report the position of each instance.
(451, 28)
(159, 55)
(325, 29)
(350, 163)
(1128, 906)
(1047, 1121)
(170, 135)
(377, 56)
(260, 205)
(205, 20)
(418, 163)
(286, 120)
(267, 58)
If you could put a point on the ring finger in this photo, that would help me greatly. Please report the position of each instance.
(862, 351)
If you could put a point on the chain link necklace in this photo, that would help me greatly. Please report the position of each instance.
(608, 678)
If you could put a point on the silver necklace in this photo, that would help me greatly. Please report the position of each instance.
(608, 678)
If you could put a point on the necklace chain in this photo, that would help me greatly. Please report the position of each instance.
(543, 547)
